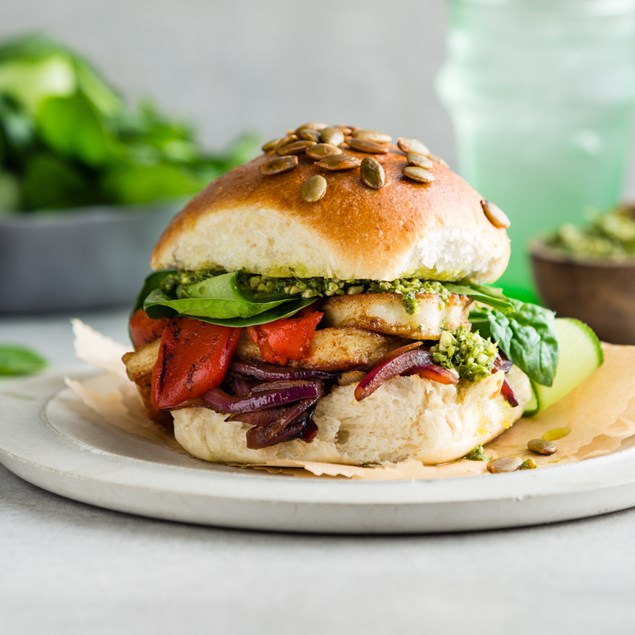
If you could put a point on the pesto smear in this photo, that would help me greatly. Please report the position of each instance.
(467, 352)
(609, 235)
(265, 286)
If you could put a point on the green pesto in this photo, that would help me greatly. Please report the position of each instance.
(326, 287)
(477, 454)
(610, 235)
(470, 354)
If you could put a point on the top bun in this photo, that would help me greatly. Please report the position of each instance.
(261, 224)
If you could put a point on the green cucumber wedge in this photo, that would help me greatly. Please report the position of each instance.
(580, 354)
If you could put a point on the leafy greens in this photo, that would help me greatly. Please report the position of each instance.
(67, 138)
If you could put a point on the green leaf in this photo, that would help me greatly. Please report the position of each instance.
(17, 360)
(73, 127)
(481, 293)
(131, 183)
(152, 282)
(526, 334)
(51, 182)
(283, 311)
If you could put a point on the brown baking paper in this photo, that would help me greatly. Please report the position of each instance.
(600, 414)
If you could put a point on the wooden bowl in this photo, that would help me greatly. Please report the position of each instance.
(600, 292)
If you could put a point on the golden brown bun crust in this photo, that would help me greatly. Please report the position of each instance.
(360, 232)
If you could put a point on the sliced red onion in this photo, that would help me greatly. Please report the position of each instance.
(503, 364)
(407, 360)
(508, 393)
(309, 433)
(218, 400)
(290, 425)
(239, 386)
(259, 418)
(271, 372)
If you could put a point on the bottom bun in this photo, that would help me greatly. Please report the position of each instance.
(407, 418)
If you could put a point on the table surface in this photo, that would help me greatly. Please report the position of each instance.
(69, 568)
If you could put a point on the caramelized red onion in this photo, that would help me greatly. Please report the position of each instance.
(290, 425)
(508, 393)
(407, 360)
(220, 401)
(271, 372)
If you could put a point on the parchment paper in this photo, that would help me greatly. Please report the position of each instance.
(600, 414)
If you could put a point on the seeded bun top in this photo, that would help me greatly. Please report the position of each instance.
(403, 213)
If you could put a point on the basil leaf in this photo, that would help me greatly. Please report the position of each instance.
(283, 311)
(526, 334)
(17, 360)
(491, 296)
(152, 282)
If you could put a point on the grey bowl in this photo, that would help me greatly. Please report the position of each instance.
(77, 259)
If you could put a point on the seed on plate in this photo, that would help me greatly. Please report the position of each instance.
(366, 145)
(295, 147)
(270, 145)
(412, 145)
(312, 125)
(372, 135)
(504, 464)
(313, 189)
(415, 173)
(278, 165)
(321, 150)
(338, 162)
(332, 135)
(540, 446)
(495, 215)
(309, 135)
(528, 464)
(420, 160)
(372, 173)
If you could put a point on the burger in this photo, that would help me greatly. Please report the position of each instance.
(328, 302)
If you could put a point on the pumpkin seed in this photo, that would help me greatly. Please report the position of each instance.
(309, 135)
(270, 145)
(504, 464)
(415, 173)
(278, 165)
(366, 145)
(528, 464)
(372, 173)
(495, 215)
(346, 130)
(412, 145)
(290, 138)
(338, 162)
(295, 147)
(312, 125)
(420, 160)
(332, 135)
(313, 189)
(372, 135)
(321, 150)
(541, 446)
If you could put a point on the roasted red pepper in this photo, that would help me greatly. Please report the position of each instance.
(193, 358)
(144, 329)
(285, 339)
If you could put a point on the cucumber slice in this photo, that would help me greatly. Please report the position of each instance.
(579, 355)
(532, 407)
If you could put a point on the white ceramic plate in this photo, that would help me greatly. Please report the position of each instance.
(49, 438)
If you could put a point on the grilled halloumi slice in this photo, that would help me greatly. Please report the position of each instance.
(385, 313)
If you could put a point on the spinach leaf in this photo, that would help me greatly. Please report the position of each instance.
(152, 282)
(217, 299)
(526, 334)
(17, 360)
(491, 296)
(283, 311)
(72, 126)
